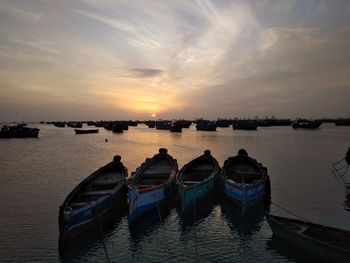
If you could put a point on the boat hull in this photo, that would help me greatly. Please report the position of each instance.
(75, 222)
(190, 195)
(316, 248)
(142, 201)
(245, 195)
(86, 131)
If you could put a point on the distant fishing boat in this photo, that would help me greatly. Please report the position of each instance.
(205, 125)
(18, 131)
(77, 131)
(245, 125)
(306, 124)
(196, 179)
(327, 242)
(101, 194)
(176, 126)
(244, 181)
(152, 183)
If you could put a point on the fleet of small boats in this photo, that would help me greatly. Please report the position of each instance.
(197, 178)
(330, 243)
(244, 181)
(152, 183)
(94, 199)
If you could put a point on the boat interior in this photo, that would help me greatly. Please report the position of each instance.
(197, 172)
(102, 185)
(243, 173)
(156, 173)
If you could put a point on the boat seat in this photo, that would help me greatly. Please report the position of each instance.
(155, 175)
(190, 182)
(145, 185)
(246, 173)
(202, 167)
(100, 192)
(105, 183)
(78, 204)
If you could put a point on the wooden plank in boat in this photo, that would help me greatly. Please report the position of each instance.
(79, 204)
(158, 170)
(155, 175)
(191, 182)
(99, 192)
(202, 167)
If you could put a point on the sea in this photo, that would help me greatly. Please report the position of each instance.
(37, 174)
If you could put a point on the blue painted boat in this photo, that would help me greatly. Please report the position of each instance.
(244, 181)
(329, 243)
(96, 198)
(151, 184)
(196, 180)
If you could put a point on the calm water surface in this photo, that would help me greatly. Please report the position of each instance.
(37, 174)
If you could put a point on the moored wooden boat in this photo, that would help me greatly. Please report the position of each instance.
(152, 183)
(329, 243)
(18, 131)
(306, 124)
(100, 195)
(77, 131)
(244, 181)
(205, 125)
(196, 180)
(245, 125)
(176, 126)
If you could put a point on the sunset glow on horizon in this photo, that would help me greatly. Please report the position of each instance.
(109, 59)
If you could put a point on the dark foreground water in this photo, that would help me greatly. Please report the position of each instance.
(37, 174)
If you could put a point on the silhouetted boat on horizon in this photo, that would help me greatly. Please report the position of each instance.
(306, 124)
(19, 131)
(77, 131)
(245, 125)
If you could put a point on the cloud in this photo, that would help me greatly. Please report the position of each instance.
(187, 58)
(19, 12)
(146, 72)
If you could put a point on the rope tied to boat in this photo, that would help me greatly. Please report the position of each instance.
(195, 230)
(290, 212)
(99, 216)
(161, 223)
(341, 165)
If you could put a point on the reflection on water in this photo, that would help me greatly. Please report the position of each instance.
(147, 223)
(245, 225)
(37, 175)
(196, 214)
(77, 248)
(289, 251)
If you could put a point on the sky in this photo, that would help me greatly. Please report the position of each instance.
(112, 59)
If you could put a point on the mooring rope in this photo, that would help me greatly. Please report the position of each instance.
(195, 230)
(290, 212)
(101, 232)
(161, 223)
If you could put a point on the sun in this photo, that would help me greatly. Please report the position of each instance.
(153, 115)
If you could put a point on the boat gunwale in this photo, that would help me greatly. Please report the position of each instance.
(246, 185)
(132, 184)
(252, 162)
(216, 171)
(90, 178)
